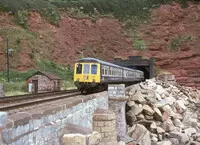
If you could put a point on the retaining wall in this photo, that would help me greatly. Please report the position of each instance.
(43, 127)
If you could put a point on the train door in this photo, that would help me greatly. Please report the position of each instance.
(35, 86)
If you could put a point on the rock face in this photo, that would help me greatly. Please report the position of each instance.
(172, 38)
(1, 90)
(170, 115)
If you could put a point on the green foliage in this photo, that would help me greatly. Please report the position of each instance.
(19, 7)
(13, 87)
(16, 76)
(64, 72)
(122, 9)
(139, 44)
(51, 14)
(16, 38)
(178, 41)
(77, 12)
(21, 18)
(68, 85)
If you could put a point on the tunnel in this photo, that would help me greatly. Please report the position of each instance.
(137, 62)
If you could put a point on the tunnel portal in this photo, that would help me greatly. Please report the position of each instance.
(136, 62)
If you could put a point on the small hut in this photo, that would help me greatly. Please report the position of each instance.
(43, 82)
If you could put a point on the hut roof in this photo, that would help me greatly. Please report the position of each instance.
(47, 74)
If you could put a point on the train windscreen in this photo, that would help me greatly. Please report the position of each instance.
(86, 69)
(94, 69)
(79, 69)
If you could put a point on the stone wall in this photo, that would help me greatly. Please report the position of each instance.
(104, 122)
(44, 127)
(117, 102)
(1, 90)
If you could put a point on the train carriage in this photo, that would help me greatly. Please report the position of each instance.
(94, 74)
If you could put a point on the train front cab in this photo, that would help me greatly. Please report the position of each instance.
(86, 75)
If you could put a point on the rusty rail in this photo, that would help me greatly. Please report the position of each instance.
(14, 104)
(30, 96)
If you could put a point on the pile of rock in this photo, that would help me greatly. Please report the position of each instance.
(163, 113)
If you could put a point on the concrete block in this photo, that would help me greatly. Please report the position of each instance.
(3, 119)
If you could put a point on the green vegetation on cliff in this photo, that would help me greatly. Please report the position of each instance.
(122, 9)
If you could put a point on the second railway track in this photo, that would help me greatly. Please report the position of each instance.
(9, 103)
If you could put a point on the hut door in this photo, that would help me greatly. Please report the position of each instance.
(35, 83)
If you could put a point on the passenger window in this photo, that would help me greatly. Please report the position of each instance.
(86, 69)
(94, 69)
(78, 68)
(106, 72)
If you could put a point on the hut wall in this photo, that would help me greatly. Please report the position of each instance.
(44, 83)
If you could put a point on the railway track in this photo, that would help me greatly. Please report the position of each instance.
(20, 101)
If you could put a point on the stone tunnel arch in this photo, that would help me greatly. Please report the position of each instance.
(145, 65)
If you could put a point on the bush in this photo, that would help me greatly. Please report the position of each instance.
(21, 18)
(139, 44)
(178, 41)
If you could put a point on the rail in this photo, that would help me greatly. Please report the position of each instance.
(20, 102)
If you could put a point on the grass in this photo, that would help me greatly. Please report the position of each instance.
(66, 85)
(14, 88)
(178, 41)
(64, 72)
(17, 84)
(16, 38)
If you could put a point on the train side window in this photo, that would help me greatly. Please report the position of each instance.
(94, 69)
(109, 71)
(106, 71)
(79, 68)
(103, 71)
(86, 69)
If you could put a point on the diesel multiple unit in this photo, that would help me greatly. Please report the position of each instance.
(92, 74)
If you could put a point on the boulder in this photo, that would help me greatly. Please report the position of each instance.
(170, 100)
(160, 130)
(154, 139)
(168, 125)
(147, 110)
(138, 97)
(136, 109)
(190, 131)
(130, 103)
(140, 117)
(189, 118)
(180, 105)
(183, 138)
(164, 143)
(158, 115)
(161, 91)
(149, 95)
(130, 118)
(174, 141)
(178, 123)
(168, 109)
(141, 135)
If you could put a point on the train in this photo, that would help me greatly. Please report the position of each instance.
(92, 75)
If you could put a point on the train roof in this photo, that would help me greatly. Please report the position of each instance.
(90, 59)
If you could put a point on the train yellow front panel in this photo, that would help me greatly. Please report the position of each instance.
(81, 77)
